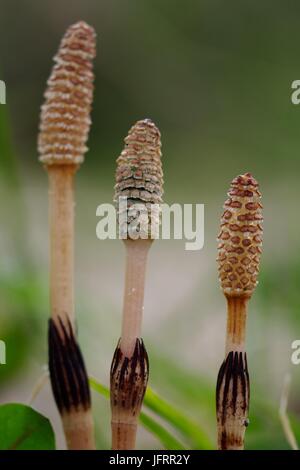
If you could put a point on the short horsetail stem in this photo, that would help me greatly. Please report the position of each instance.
(139, 181)
(64, 127)
(240, 242)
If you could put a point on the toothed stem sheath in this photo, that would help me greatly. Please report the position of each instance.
(139, 181)
(239, 247)
(64, 129)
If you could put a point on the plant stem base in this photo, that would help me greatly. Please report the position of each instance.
(123, 436)
(79, 430)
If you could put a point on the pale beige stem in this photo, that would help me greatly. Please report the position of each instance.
(79, 430)
(123, 435)
(133, 305)
(236, 323)
(61, 220)
(78, 424)
(129, 371)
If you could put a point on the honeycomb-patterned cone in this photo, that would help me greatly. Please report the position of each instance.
(240, 239)
(65, 116)
(139, 179)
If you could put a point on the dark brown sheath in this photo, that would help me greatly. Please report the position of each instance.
(68, 374)
(128, 379)
(128, 383)
(233, 393)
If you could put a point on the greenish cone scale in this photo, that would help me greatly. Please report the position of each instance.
(139, 179)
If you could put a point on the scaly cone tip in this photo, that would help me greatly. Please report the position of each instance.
(65, 115)
(240, 239)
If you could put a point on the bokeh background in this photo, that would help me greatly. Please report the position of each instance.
(216, 78)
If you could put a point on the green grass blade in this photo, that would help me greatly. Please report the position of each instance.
(165, 437)
(186, 426)
(98, 387)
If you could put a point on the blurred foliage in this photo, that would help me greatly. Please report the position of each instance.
(216, 78)
(8, 164)
(21, 299)
(280, 287)
(19, 291)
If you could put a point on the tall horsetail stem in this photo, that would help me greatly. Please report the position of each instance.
(64, 126)
(139, 180)
(240, 242)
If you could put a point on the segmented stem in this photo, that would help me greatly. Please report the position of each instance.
(139, 180)
(240, 242)
(64, 126)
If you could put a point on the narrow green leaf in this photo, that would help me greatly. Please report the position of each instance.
(98, 387)
(166, 438)
(23, 428)
(179, 420)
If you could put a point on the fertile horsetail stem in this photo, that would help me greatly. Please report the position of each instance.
(139, 181)
(64, 127)
(240, 242)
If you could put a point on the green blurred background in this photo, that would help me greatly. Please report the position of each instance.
(216, 78)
